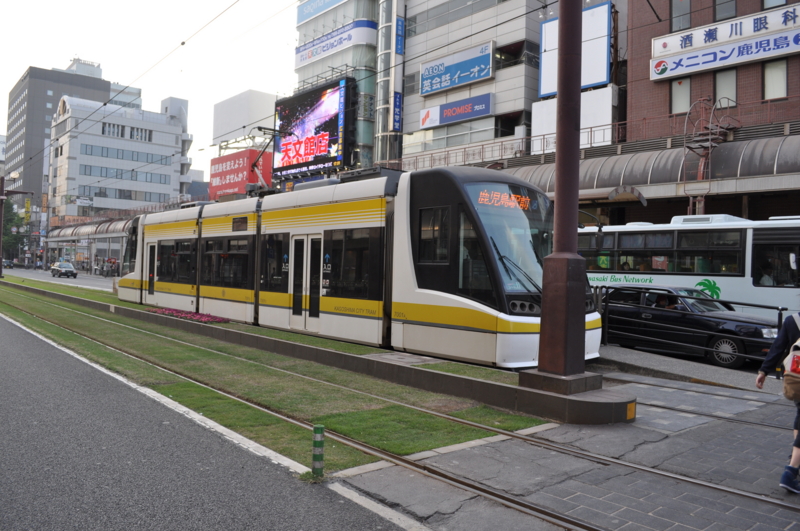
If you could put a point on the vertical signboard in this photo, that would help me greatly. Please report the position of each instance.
(27, 210)
(397, 112)
(400, 36)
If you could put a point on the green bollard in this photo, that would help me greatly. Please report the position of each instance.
(318, 457)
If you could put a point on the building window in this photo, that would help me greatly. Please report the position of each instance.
(411, 84)
(725, 87)
(48, 105)
(681, 95)
(48, 118)
(47, 130)
(775, 79)
(681, 14)
(724, 9)
(773, 3)
(49, 92)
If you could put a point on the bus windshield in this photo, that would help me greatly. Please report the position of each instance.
(519, 224)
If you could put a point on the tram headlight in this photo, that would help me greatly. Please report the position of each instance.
(769, 333)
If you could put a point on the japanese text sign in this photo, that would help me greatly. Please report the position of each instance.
(722, 56)
(462, 68)
(759, 27)
(230, 173)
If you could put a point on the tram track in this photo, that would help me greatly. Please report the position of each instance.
(428, 470)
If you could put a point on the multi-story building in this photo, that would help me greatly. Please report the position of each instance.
(116, 157)
(32, 103)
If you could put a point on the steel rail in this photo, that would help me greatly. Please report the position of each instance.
(597, 458)
(523, 506)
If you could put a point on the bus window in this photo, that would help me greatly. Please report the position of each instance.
(772, 265)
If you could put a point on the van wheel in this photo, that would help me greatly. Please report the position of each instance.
(729, 348)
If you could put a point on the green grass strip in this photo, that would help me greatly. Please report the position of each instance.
(280, 436)
(291, 395)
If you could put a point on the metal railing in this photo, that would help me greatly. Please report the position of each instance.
(760, 112)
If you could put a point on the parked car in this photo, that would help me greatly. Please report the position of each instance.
(64, 269)
(8, 264)
(657, 315)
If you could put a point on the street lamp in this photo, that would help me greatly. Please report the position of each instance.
(3, 196)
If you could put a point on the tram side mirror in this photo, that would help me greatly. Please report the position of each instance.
(793, 261)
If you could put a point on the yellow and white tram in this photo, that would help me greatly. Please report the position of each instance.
(446, 262)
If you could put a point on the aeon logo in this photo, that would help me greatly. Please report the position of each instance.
(661, 67)
(433, 70)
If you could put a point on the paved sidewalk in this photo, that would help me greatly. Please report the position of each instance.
(670, 434)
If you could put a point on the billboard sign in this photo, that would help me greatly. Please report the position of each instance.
(313, 8)
(232, 172)
(458, 111)
(595, 50)
(762, 25)
(456, 70)
(358, 32)
(313, 129)
(725, 55)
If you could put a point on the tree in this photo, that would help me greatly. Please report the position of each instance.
(11, 219)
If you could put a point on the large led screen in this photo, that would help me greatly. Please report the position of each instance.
(313, 129)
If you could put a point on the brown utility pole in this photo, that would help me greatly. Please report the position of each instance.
(563, 333)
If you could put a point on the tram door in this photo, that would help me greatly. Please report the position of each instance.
(306, 281)
(150, 274)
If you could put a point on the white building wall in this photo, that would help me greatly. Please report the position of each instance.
(167, 141)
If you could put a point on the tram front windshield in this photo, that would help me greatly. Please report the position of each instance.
(519, 224)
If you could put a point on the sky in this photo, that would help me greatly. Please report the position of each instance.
(230, 46)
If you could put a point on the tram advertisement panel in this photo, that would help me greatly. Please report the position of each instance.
(314, 129)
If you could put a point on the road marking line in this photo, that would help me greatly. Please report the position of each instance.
(389, 514)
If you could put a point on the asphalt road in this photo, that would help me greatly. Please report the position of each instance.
(84, 279)
(81, 450)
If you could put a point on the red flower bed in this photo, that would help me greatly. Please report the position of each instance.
(189, 316)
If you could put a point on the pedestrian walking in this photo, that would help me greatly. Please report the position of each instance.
(788, 336)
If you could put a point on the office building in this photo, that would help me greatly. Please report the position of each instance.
(116, 158)
(32, 103)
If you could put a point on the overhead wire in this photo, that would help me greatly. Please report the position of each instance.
(31, 160)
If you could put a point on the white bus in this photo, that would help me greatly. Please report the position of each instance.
(725, 256)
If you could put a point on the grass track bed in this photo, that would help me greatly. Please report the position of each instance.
(390, 427)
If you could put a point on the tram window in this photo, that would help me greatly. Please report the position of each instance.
(275, 257)
(239, 224)
(185, 262)
(165, 269)
(473, 275)
(352, 264)
(772, 265)
(434, 232)
(226, 269)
